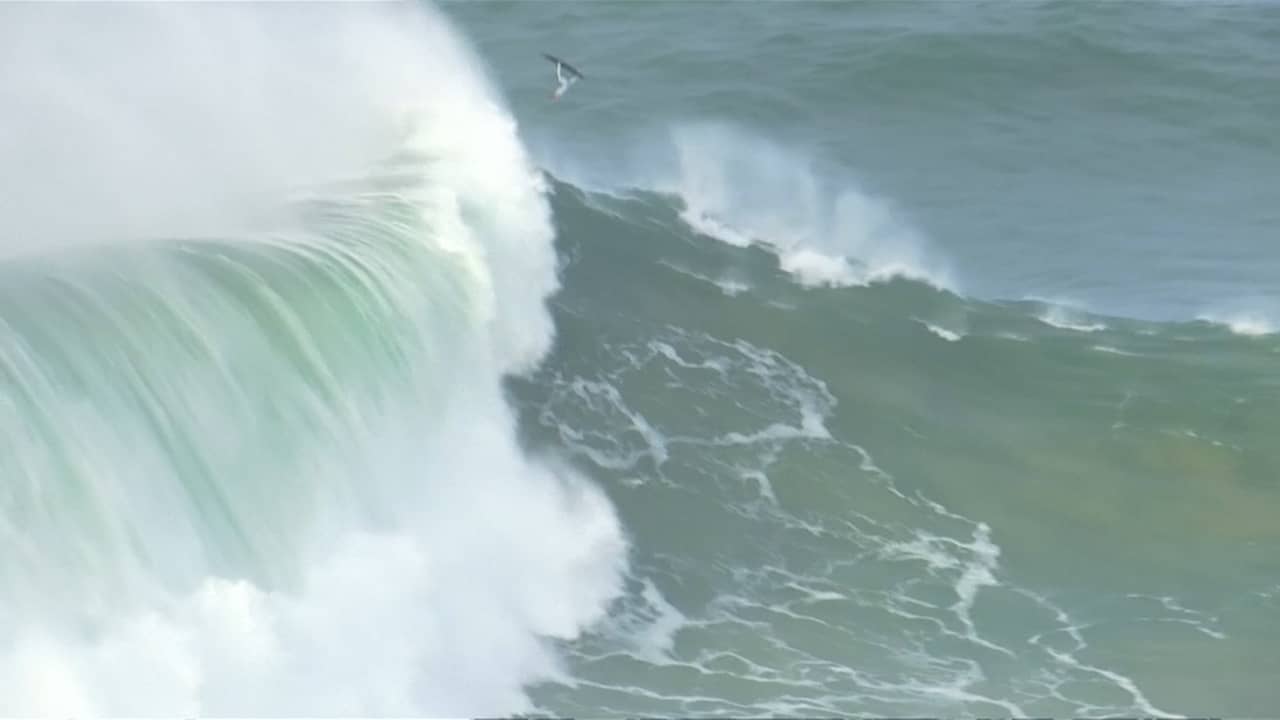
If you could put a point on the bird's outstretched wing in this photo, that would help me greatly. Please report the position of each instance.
(568, 68)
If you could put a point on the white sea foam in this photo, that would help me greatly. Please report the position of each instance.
(944, 333)
(1246, 322)
(270, 511)
(1114, 351)
(1066, 318)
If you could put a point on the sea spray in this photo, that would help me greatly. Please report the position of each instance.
(266, 266)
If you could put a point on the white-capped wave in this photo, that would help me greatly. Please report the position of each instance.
(257, 458)
(1066, 315)
(743, 189)
(1248, 323)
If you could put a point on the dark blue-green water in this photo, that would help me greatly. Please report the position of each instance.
(980, 419)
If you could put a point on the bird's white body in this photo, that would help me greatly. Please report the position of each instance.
(566, 75)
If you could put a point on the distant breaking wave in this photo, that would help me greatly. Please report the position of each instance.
(746, 190)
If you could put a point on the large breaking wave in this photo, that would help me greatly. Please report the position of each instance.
(264, 267)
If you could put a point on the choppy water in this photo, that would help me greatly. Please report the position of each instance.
(896, 359)
(1027, 475)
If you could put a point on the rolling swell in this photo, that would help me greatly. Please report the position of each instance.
(1119, 156)
(255, 454)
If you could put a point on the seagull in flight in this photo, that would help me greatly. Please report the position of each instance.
(566, 75)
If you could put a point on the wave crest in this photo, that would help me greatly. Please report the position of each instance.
(255, 446)
(743, 189)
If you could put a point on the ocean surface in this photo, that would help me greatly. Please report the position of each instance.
(803, 359)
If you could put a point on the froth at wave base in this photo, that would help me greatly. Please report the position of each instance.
(264, 270)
